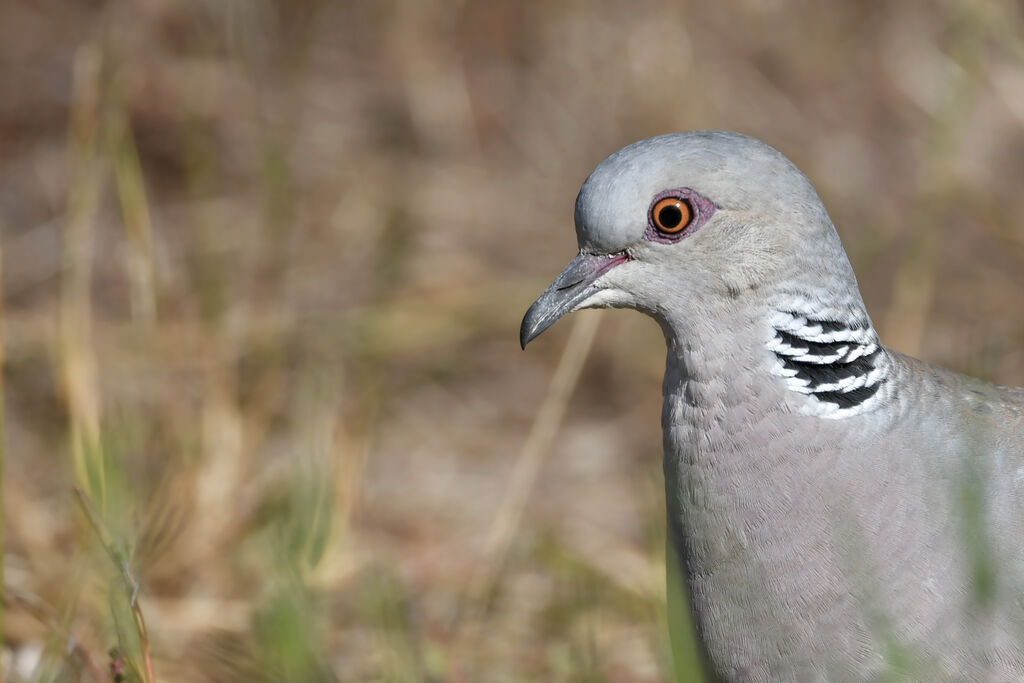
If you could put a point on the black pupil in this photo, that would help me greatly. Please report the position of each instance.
(670, 216)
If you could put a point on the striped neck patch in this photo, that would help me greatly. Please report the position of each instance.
(838, 364)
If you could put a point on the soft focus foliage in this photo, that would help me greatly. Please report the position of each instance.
(264, 265)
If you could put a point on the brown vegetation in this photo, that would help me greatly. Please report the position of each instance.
(264, 265)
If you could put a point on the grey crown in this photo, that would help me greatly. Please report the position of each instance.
(840, 511)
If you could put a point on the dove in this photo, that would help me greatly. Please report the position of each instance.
(839, 511)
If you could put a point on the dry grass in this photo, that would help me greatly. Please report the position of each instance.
(264, 265)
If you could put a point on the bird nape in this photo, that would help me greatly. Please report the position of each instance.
(838, 510)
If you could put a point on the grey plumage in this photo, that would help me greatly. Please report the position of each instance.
(842, 511)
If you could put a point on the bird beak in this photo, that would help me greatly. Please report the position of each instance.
(572, 286)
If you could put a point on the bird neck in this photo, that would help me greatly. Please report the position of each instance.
(829, 355)
(781, 352)
(750, 451)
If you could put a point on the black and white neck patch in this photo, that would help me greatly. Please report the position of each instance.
(839, 364)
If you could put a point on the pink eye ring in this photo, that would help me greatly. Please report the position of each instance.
(676, 214)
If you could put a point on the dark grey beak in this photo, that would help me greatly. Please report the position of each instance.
(572, 286)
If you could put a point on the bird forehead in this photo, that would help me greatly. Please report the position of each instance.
(611, 207)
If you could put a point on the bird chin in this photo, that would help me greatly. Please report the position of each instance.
(605, 298)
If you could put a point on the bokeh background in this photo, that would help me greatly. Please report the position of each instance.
(264, 264)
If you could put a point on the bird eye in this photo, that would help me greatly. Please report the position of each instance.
(671, 215)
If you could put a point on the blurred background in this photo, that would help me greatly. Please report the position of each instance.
(264, 263)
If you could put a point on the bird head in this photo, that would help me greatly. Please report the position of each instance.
(680, 225)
